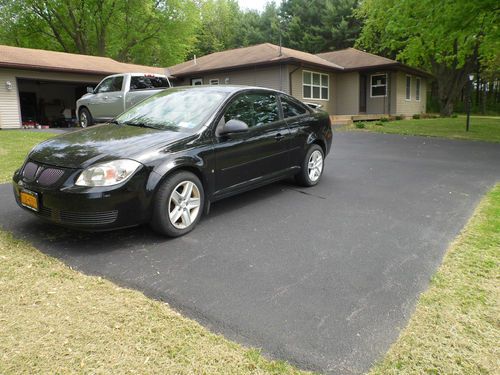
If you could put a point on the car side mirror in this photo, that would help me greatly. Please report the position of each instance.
(90, 90)
(234, 126)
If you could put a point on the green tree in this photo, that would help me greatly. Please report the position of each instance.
(448, 37)
(219, 25)
(156, 32)
(319, 25)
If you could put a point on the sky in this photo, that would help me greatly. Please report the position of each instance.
(255, 4)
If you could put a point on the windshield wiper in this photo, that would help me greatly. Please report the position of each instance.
(140, 124)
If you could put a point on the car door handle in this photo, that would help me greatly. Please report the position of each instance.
(119, 96)
(279, 137)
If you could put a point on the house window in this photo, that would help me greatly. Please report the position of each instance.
(417, 89)
(196, 81)
(408, 88)
(214, 81)
(378, 85)
(315, 85)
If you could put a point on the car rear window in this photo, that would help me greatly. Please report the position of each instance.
(148, 83)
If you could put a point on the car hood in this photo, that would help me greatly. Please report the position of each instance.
(80, 149)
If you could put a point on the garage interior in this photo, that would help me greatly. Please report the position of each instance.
(49, 103)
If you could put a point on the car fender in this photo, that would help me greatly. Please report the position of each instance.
(165, 168)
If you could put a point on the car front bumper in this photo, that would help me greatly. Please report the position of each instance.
(92, 209)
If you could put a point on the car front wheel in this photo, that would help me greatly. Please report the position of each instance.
(178, 204)
(312, 167)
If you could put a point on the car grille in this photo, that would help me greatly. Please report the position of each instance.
(88, 218)
(79, 218)
(29, 171)
(50, 176)
(44, 175)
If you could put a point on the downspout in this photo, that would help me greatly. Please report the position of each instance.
(389, 76)
(290, 79)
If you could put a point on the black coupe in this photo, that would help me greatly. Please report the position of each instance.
(166, 159)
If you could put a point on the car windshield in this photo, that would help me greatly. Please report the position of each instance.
(181, 109)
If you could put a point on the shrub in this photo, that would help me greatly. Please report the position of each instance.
(359, 125)
(379, 123)
(399, 117)
(384, 119)
(416, 116)
(454, 115)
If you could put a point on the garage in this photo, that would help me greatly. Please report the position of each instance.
(49, 103)
(39, 87)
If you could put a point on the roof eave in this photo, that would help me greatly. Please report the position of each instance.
(287, 60)
(57, 69)
(396, 65)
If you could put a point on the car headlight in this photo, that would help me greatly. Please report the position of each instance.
(107, 174)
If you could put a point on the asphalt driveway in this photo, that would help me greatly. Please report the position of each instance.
(322, 277)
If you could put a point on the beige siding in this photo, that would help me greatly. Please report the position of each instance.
(9, 102)
(296, 82)
(275, 77)
(412, 106)
(347, 93)
(10, 113)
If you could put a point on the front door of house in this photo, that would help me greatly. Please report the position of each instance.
(362, 93)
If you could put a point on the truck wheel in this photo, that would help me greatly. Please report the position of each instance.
(85, 118)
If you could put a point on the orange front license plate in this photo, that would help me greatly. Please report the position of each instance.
(29, 199)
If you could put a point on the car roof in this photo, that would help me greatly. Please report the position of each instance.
(225, 88)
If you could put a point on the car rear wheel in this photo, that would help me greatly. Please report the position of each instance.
(85, 118)
(178, 204)
(312, 167)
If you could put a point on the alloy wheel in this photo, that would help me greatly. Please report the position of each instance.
(315, 165)
(184, 204)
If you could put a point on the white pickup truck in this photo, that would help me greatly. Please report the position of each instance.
(117, 93)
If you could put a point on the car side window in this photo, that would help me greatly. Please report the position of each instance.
(291, 109)
(255, 109)
(110, 84)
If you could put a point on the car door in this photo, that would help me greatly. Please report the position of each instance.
(298, 118)
(107, 101)
(256, 155)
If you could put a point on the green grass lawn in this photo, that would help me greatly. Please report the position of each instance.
(456, 326)
(481, 128)
(14, 146)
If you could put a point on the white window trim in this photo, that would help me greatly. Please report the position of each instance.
(214, 81)
(313, 85)
(406, 81)
(419, 96)
(372, 86)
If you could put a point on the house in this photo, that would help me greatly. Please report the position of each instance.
(37, 85)
(346, 82)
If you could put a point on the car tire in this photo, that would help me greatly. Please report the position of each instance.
(312, 167)
(178, 204)
(85, 118)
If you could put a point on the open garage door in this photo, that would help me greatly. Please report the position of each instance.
(51, 103)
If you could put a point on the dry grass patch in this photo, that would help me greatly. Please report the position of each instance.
(56, 320)
(456, 326)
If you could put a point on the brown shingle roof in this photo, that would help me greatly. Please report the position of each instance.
(351, 58)
(354, 59)
(37, 59)
(261, 54)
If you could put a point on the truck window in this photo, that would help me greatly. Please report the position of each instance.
(148, 83)
(110, 84)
